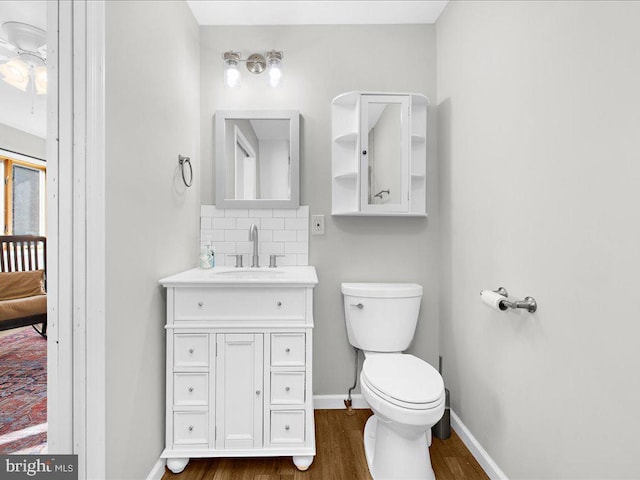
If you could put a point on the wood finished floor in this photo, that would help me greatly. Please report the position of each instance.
(340, 456)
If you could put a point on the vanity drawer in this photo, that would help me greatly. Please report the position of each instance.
(247, 303)
(287, 388)
(287, 349)
(190, 350)
(287, 426)
(190, 389)
(190, 428)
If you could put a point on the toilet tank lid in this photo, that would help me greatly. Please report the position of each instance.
(382, 290)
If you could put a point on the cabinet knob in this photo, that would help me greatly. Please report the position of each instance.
(191, 428)
(191, 350)
(190, 389)
(364, 152)
(286, 427)
(287, 349)
(279, 303)
(200, 304)
(257, 392)
(287, 389)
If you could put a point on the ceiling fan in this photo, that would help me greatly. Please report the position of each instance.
(23, 56)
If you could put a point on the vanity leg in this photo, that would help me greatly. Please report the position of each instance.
(176, 465)
(303, 463)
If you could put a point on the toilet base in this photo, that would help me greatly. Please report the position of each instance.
(391, 456)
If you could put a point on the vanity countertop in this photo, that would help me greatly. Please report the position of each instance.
(220, 276)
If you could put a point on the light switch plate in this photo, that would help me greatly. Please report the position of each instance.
(317, 224)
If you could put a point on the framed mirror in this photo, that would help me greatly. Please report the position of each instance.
(257, 159)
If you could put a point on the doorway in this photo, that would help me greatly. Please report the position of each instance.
(23, 169)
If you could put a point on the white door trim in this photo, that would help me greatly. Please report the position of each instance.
(76, 230)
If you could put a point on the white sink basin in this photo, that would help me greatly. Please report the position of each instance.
(248, 273)
(281, 276)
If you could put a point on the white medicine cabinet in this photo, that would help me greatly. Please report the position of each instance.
(379, 154)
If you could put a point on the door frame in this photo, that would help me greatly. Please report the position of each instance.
(76, 226)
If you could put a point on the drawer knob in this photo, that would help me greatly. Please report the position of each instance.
(200, 304)
(279, 303)
(286, 427)
(257, 392)
(191, 428)
(190, 389)
(191, 350)
(287, 389)
(287, 349)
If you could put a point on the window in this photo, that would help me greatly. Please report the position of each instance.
(22, 202)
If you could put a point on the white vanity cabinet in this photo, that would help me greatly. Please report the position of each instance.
(379, 154)
(239, 377)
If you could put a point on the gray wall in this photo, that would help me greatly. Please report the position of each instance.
(539, 181)
(22, 142)
(321, 62)
(152, 92)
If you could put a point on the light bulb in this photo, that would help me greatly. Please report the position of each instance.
(16, 73)
(40, 78)
(275, 74)
(232, 75)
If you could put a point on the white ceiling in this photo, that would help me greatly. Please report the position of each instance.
(23, 110)
(325, 12)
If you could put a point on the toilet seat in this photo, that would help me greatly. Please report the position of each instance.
(404, 381)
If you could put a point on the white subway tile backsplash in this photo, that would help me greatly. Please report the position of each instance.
(280, 231)
(271, 248)
(205, 223)
(236, 235)
(247, 222)
(285, 212)
(285, 236)
(261, 212)
(296, 247)
(223, 223)
(272, 223)
(236, 212)
(296, 223)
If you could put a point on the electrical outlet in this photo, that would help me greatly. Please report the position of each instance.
(317, 224)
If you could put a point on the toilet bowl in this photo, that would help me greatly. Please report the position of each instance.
(406, 394)
(407, 397)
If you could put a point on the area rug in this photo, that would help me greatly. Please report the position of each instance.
(23, 393)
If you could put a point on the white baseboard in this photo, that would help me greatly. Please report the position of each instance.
(490, 467)
(336, 402)
(157, 471)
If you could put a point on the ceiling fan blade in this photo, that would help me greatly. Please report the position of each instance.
(5, 44)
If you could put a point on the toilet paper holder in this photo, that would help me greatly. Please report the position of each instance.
(529, 303)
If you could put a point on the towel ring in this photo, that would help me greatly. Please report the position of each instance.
(182, 160)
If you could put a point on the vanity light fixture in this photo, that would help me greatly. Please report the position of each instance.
(256, 63)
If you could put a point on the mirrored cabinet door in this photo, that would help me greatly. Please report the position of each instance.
(379, 154)
(384, 155)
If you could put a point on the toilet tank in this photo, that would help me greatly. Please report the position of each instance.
(381, 317)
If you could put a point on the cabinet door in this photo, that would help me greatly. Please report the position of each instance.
(239, 397)
(384, 153)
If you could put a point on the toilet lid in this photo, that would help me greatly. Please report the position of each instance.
(404, 378)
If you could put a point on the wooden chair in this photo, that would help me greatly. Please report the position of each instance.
(21, 253)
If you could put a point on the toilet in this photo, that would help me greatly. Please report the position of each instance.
(405, 393)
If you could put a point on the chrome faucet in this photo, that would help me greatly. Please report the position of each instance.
(253, 237)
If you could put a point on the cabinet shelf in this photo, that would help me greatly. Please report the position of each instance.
(350, 137)
(346, 176)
